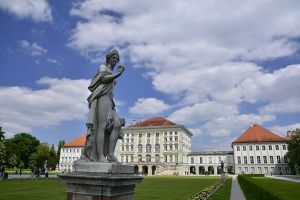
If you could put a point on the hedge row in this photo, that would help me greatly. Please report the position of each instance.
(254, 191)
(254, 175)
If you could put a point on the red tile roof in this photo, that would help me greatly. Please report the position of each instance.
(156, 121)
(257, 133)
(78, 142)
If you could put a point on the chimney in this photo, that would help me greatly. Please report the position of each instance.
(133, 122)
(251, 124)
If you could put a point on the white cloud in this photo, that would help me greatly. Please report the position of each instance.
(144, 106)
(37, 10)
(224, 126)
(202, 112)
(53, 61)
(33, 49)
(24, 108)
(202, 53)
(282, 130)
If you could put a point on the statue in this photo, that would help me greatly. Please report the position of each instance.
(103, 124)
(222, 166)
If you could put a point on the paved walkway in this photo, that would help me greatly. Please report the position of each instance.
(287, 178)
(236, 192)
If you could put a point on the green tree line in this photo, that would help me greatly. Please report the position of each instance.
(26, 151)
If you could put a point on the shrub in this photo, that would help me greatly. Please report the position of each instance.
(252, 190)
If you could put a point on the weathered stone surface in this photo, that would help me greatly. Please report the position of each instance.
(99, 181)
(112, 168)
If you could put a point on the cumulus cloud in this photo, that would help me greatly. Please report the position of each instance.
(152, 106)
(62, 100)
(37, 10)
(204, 54)
(33, 49)
(282, 130)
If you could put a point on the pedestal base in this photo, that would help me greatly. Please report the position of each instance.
(101, 181)
(223, 175)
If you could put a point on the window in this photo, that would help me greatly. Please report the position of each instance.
(258, 159)
(170, 133)
(277, 147)
(244, 148)
(166, 148)
(131, 159)
(148, 134)
(165, 139)
(127, 148)
(157, 134)
(127, 140)
(148, 148)
(271, 159)
(278, 159)
(148, 158)
(132, 140)
(219, 159)
(123, 148)
(259, 170)
(210, 159)
(171, 147)
(140, 148)
(171, 158)
(201, 160)
(148, 141)
(140, 135)
(176, 146)
(176, 139)
(279, 169)
(250, 148)
(257, 148)
(284, 147)
(251, 160)
(270, 147)
(245, 159)
(157, 148)
(239, 159)
(171, 139)
(252, 170)
(176, 133)
(131, 148)
(192, 160)
(265, 159)
(166, 159)
(238, 148)
(157, 158)
(285, 158)
(126, 158)
(263, 147)
(266, 170)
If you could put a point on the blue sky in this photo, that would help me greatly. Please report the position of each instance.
(213, 67)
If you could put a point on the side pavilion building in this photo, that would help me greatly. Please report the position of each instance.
(259, 151)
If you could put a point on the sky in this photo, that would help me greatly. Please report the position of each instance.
(212, 66)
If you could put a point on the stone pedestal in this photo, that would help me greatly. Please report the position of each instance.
(223, 175)
(100, 181)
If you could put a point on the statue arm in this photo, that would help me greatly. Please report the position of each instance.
(109, 78)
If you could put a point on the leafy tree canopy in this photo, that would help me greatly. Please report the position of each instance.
(294, 150)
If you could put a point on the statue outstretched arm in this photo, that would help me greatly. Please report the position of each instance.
(111, 77)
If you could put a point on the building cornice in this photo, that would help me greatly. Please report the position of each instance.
(162, 128)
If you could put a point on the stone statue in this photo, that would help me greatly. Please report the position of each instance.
(103, 124)
(222, 166)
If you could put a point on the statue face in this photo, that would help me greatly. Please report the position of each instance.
(113, 60)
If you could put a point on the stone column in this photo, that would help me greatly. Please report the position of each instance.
(100, 181)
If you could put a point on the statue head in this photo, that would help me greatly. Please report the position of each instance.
(113, 53)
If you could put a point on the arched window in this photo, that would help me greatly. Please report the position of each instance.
(157, 158)
(157, 148)
(140, 148)
(148, 148)
(192, 160)
(148, 158)
(140, 158)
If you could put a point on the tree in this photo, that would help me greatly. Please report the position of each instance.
(294, 151)
(2, 137)
(2, 153)
(60, 144)
(22, 145)
(53, 158)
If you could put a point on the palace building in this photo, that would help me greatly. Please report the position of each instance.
(259, 151)
(158, 146)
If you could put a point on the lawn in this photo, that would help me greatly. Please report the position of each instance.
(284, 190)
(151, 188)
(223, 193)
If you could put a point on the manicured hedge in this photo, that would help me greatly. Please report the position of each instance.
(254, 191)
(254, 175)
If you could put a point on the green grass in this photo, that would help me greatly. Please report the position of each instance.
(171, 188)
(159, 187)
(50, 189)
(223, 193)
(284, 190)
